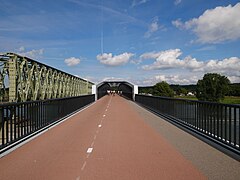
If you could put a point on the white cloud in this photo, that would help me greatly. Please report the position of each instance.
(176, 2)
(207, 48)
(110, 60)
(178, 23)
(151, 55)
(177, 79)
(34, 54)
(234, 79)
(170, 59)
(72, 61)
(21, 49)
(170, 79)
(230, 65)
(153, 27)
(185, 79)
(214, 25)
(138, 2)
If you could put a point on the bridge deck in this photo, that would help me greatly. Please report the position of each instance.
(116, 139)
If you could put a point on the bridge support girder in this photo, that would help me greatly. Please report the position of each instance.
(30, 80)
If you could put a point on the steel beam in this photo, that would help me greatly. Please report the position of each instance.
(29, 80)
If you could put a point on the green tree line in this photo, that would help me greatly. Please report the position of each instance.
(213, 87)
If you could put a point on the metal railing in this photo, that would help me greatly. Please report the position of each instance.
(19, 120)
(218, 122)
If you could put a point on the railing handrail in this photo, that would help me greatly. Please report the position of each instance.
(45, 100)
(23, 119)
(191, 100)
(220, 123)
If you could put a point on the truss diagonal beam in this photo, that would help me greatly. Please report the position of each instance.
(24, 79)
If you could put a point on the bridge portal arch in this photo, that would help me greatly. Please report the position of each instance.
(127, 89)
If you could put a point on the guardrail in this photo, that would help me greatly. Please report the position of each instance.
(216, 121)
(19, 120)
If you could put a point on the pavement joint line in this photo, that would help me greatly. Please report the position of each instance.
(95, 137)
(78, 178)
(92, 144)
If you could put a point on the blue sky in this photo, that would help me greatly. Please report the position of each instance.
(142, 41)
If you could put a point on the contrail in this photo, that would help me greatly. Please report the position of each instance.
(101, 27)
(102, 41)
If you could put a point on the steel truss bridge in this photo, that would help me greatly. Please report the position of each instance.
(24, 79)
(40, 96)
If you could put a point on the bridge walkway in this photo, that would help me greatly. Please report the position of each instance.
(116, 139)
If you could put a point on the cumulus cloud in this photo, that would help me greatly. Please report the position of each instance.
(170, 79)
(153, 27)
(170, 59)
(72, 61)
(226, 65)
(234, 79)
(214, 25)
(176, 79)
(110, 60)
(34, 54)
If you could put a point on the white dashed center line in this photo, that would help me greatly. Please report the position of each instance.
(89, 150)
(83, 166)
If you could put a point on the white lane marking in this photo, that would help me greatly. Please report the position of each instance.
(104, 115)
(83, 166)
(99, 125)
(89, 150)
(106, 110)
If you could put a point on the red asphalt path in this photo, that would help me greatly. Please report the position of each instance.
(106, 141)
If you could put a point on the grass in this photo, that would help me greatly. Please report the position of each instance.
(231, 100)
(227, 99)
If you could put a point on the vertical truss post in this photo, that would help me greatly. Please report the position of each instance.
(12, 79)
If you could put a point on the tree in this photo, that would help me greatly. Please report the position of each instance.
(212, 87)
(234, 90)
(181, 91)
(162, 89)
